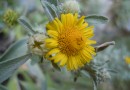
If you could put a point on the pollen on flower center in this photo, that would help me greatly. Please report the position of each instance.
(71, 42)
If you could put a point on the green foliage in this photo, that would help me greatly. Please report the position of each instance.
(35, 59)
(48, 12)
(117, 55)
(23, 21)
(8, 67)
(94, 19)
(15, 50)
(55, 2)
(120, 12)
(30, 78)
(28, 83)
(36, 71)
(12, 59)
(52, 8)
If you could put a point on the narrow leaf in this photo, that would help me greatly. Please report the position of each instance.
(55, 2)
(23, 21)
(16, 50)
(50, 17)
(94, 19)
(50, 9)
(7, 68)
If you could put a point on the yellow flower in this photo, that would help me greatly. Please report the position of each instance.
(69, 41)
(127, 60)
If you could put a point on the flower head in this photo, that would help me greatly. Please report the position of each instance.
(127, 60)
(69, 41)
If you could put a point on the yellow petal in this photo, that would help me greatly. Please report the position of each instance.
(83, 26)
(55, 25)
(79, 61)
(63, 61)
(69, 20)
(90, 50)
(80, 21)
(49, 26)
(72, 63)
(60, 24)
(58, 57)
(89, 42)
(51, 43)
(75, 18)
(53, 51)
(88, 32)
(86, 56)
(63, 19)
(88, 29)
(52, 33)
(69, 64)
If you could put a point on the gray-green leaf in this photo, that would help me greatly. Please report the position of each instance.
(16, 50)
(23, 21)
(55, 2)
(35, 59)
(94, 19)
(50, 9)
(15, 56)
(8, 67)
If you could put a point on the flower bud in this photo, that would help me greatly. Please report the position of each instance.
(106, 75)
(36, 44)
(10, 17)
(71, 6)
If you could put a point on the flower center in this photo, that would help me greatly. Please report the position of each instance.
(71, 42)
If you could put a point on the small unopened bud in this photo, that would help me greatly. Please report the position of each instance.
(36, 44)
(71, 6)
(10, 17)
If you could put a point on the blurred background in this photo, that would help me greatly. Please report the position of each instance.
(42, 76)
